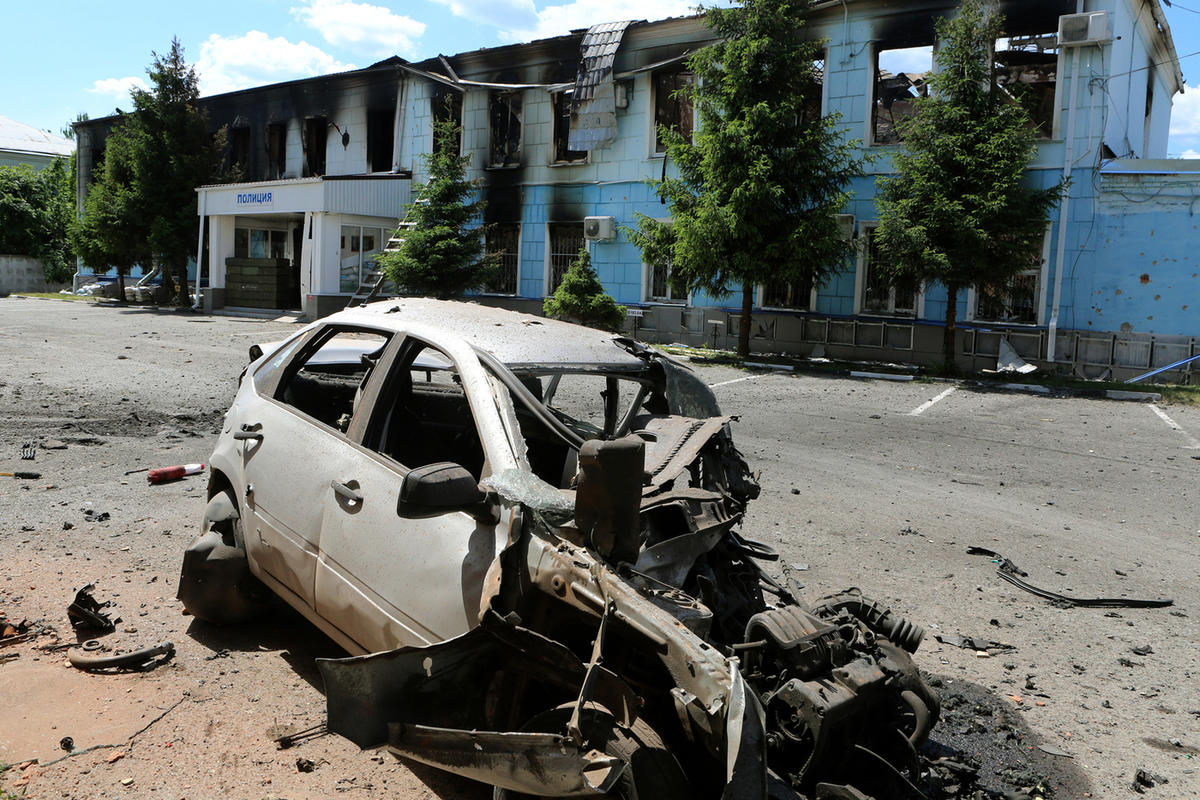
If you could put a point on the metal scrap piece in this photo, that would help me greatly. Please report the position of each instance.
(85, 612)
(594, 103)
(1010, 572)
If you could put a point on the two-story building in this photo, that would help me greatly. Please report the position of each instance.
(562, 137)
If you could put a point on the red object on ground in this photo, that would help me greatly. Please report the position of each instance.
(164, 474)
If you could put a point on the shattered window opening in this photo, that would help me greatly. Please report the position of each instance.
(503, 240)
(239, 153)
(880, 295)
(1016, 301)
(276, 150)
(446, 104)
(505, 111)
(794, 295)
(566, 240)
(325, 385)
(316, 132)
(659, 288)
(814, 92)
(380, 138)
(1026, 70)
(672, 110)
(562, 153)
(899, 78)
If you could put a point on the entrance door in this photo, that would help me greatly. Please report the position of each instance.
(297, 243)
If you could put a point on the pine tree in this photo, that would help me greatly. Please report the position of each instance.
(580, 298)
(442, 253)
(765, 175)
(959, 210)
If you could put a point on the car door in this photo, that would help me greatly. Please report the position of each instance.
(386, 580)
(294, 442)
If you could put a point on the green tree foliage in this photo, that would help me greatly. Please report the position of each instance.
(760, 185)
(442, 254)
(959, 211)
(154, 159)
(36, 209)
(112, 231)
(580, 298)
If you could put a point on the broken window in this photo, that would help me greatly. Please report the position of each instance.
(446, 105)
(427, 417)
(239, 153)
(563, 154)
(881, 295)
(566, 240)
(380, 137)
(503, 241)
(276, 150)
(325, 385)
(1025, 68)
(316, 131)
(658, 285)
(672, 110)
(1014, 301)
(796, 295)
(505, 110)
(813, 91)
(899, 79)
(359, 247)
(1146, 132)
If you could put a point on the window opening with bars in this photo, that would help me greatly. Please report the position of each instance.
(503, 241)
(566, 240)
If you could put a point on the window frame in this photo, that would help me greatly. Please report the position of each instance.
(760, 298)
(516, 256)
(652, 142)
(1041, 270)
(384, 235)
(873, 83)
(548, 286)
(861, 275)
(559, 130)
(506, 96)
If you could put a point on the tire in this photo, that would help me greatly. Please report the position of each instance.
(652, 772)
(215, 582)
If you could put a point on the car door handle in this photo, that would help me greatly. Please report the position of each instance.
(249, 430)
(345, 492)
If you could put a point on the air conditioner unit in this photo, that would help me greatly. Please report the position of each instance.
(846, 226)
(1081, 29)
(599, 229)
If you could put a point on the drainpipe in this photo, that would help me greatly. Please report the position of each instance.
(200, 248)
(1064, 211)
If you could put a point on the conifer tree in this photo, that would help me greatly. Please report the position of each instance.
(581, 298)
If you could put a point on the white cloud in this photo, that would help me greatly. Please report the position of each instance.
(229, 63)
(1190, 153)
(508, 15)
(118, 88)
(1185, 112)
(373, 29)
(519, 21)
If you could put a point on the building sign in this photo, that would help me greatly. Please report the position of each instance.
(256, 199)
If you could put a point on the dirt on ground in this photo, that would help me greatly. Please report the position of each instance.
(1049, 702)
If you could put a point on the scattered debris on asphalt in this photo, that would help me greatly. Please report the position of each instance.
(66, 743)
(1010, 572)
(972, 643)
(1144, 779)
(28, 451)
(86, 613)
(142, 660)
(305, 764)
(21, 476)
(292, 739)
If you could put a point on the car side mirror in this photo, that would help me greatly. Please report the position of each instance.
(442, 488)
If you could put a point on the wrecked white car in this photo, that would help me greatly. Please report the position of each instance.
(529, 531)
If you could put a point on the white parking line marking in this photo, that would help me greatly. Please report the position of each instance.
(263, 333)
(735, 380)
(1192, 444)
(928, 404)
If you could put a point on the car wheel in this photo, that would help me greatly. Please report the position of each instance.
(215, 583)
(652, 773)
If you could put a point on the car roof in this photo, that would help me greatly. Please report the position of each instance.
(519, 341)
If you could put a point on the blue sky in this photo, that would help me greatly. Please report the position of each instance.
(57, 59)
